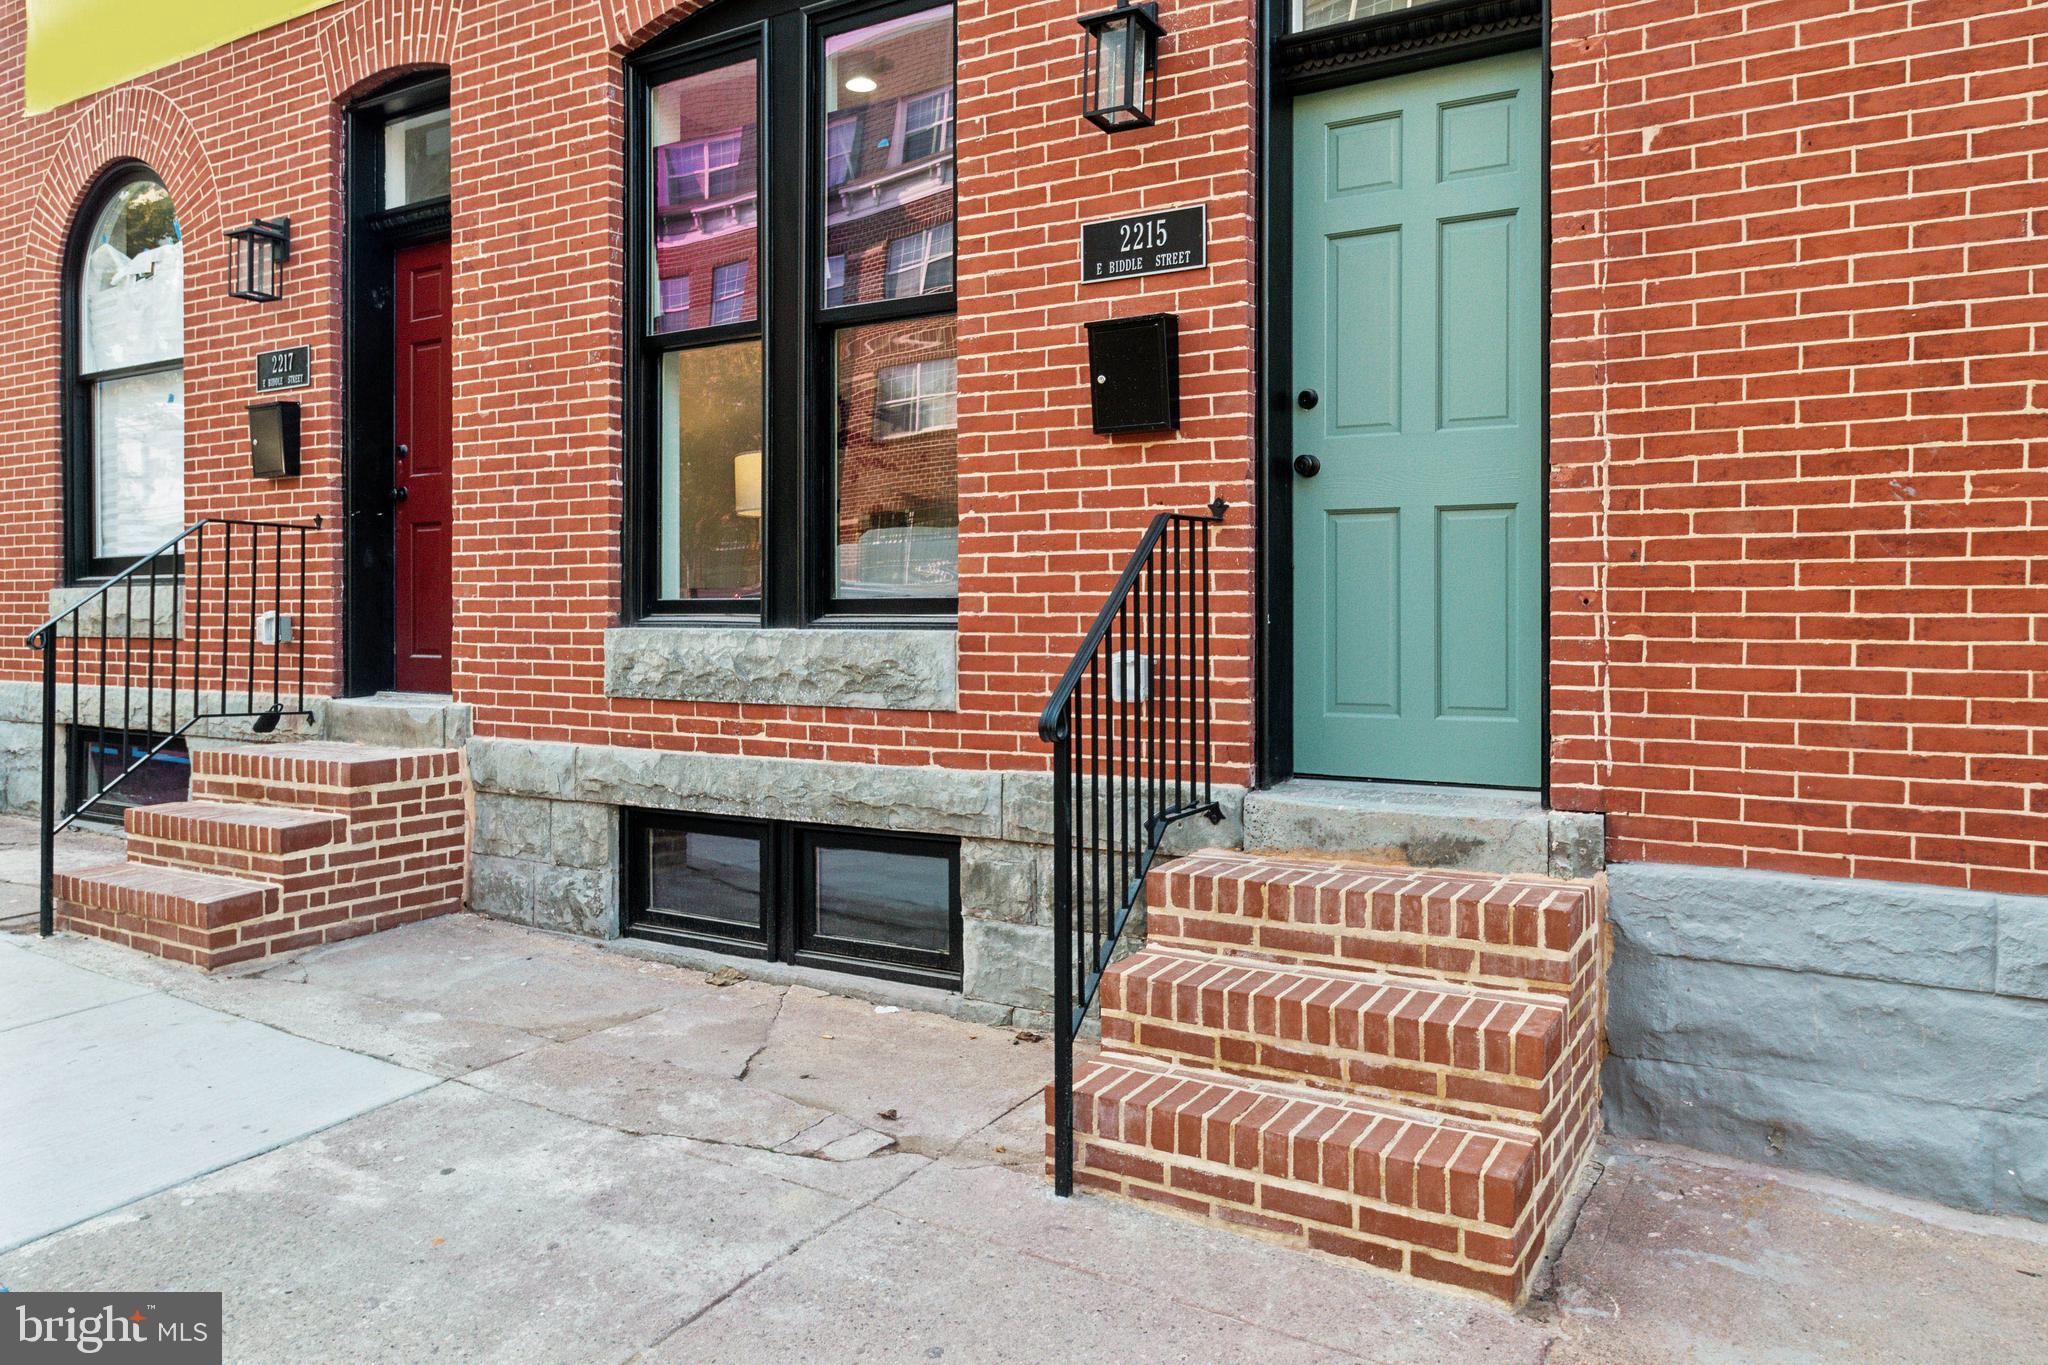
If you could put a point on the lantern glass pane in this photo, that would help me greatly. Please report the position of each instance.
(1113, 66)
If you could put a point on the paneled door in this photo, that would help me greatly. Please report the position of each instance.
(422, 395)
(1418, 479)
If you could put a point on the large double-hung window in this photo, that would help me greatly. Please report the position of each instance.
(791, 450)
(125, 386)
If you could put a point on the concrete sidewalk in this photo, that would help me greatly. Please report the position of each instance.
(613, 1159)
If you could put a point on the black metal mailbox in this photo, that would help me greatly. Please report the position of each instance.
(274, 440)
(1134, 373)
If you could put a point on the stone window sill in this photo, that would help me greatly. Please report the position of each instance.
(880, 669)
(128, 611)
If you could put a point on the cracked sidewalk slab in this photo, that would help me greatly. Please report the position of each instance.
(601, 1180)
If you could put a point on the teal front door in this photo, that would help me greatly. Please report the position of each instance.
(1418, 419)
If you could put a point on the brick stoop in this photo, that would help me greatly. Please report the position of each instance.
(283, 847)
(1393, 1065)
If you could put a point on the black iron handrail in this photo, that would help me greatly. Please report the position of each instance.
(1132, 755)
(202, 558)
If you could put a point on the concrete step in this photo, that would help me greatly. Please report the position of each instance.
(1516, 931)
(1448, 1047)
(1403, 1189)
(1469, 828)
(397, 720)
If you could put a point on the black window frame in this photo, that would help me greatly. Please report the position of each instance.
(80, 503)
(794, 326)
(788, 897)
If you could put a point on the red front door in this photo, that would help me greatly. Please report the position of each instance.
(421, 401)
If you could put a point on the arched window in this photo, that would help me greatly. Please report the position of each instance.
(124, 361)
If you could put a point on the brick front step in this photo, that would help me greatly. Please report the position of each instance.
(171, 895)
(1406, 1190)
(284, 847)
(315, 775)
(193, 917)
(1511, 930)
(272, 831)
(1455, 1048)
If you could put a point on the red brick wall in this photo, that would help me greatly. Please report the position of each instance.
(537, 134)
(1797, 601)
(1800, 499)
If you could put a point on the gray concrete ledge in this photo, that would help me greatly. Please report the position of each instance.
(399, 720)
(1884, 1032)
(1460, 827)
(883, 669)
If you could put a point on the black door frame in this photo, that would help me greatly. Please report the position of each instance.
(372, 236)
(1431, 34)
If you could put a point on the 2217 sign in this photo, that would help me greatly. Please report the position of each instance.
(1145, 244)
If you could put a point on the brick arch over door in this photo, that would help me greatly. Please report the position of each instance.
(366, 45)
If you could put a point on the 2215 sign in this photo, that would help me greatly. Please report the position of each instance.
(1145, 244)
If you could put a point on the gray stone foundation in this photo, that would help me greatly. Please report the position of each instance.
(548, 845)
(1891, 1034)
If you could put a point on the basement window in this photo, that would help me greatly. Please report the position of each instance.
(884, 905)
(97, 758)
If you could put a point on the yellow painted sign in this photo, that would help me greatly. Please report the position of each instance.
(77, 47)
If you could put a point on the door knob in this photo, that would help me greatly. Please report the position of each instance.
(398, 494)
(1308, 398)
(1308, 466)
(403, 450)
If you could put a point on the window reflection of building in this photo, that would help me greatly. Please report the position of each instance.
(889, 144)
(1310, 14)
(889, 235)
(898, 509)
(706, 140)
(885, 178)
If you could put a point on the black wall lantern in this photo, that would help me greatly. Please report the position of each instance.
(1120, 71)
(256, 257)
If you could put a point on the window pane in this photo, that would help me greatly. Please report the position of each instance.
(132, 294)
(703, 178)
(138, 438)
(921, 263)
(1319, 13)
(888, 144)
(167, 776)
(898, 499)
(709, 480)
(704, 876)
(416, 159)
(894, 900)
